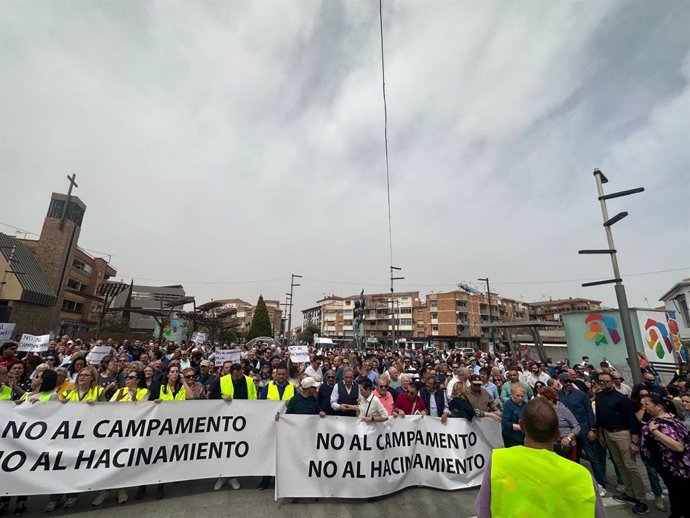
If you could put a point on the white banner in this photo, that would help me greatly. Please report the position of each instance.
(6, 331)
(348, 458)
(98, 353)
(48, 448)
(199, 338)
(34, 344)
(226, 355)
(299, 353)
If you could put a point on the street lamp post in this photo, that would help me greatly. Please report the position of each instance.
(293, 284)
(491, 318)
(393, 278)
(617, 280)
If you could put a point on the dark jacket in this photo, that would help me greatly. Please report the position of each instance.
(439, 396)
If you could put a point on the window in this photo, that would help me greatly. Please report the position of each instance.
(434, 328)
(406, 311)
(406, 322)
(434, 315)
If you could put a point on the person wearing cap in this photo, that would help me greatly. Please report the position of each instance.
(474, 368)
(8, 353)
(304, 401)
(531, 480)
(205, 377)
(481, 401)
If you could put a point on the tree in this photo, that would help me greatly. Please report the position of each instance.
(307, 334)
(261, 323)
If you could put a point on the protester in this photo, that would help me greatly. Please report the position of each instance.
(304, 401)
(86, 388)
(345, 394)
(665, 446)
(410, 403)
(459, 405)
(370, 408)
(619, 430)
(512, 413)
(172, 389)
(531, 480)
(568, 427)
(324, 393)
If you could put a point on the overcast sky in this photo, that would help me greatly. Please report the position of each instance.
(225, 145)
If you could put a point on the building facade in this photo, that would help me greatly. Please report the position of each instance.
(553, 309)
(245, 313)
(678, 299)
(52, 284)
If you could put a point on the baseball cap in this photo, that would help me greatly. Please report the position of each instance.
(308, 382)
(475, 379)
(205, 363)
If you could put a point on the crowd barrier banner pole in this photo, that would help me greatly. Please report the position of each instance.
(348, 458)
(48, 448)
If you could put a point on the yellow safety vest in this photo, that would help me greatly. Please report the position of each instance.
(274, 395)
(5, 393)
(167, 395)
(94, 394)
(141, 394)
(526, 482)
(227, 388)
(43, 396)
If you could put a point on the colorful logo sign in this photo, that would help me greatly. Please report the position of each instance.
(597, 324)
(662, 337)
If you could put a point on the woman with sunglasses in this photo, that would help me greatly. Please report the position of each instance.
(134, 390)
(384, 395)
(193, 389)
(665, 444)
(42, 388)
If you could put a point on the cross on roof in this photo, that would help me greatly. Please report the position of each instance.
(72, 183)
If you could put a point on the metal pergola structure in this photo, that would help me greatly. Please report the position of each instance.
(532, 325)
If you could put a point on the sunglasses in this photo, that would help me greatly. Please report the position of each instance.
(603, 382)
(189, 377)
(383, 386)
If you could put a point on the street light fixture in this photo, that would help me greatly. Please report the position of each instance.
(393, 278)
(617, 280)
(491, 318)
(293, 285)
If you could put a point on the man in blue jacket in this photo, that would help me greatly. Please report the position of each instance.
(579, 404)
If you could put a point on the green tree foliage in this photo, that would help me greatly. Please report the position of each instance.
(307, 334)
(261, 323)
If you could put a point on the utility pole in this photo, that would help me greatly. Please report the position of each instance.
(492, 331)
(617, 280)
(393, 278)
(293, 284)
(284, 319)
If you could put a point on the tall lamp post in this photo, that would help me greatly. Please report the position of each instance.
(617, 280)
(293, 284)
(393, 278)
(491, 318)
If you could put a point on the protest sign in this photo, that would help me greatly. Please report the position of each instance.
(199, 337)
(299, 353)
(226, 355)
(6, 331)
(34, 344)
(50, 448)
(348, 458)
(98, 353)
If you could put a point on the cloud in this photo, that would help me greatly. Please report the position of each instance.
(235, 141)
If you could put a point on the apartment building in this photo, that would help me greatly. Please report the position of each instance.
(552, 309)
(148, 297)
(245, 313)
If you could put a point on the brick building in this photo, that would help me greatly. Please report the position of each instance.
(552, 309)
(66, 277)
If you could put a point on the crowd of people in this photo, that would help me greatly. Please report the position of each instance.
(598, 414)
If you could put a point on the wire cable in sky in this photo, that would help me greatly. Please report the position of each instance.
(385, 133)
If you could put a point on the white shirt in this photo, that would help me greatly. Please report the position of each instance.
(335, 396)
(371, 406)
(317, 374)
(532, 379)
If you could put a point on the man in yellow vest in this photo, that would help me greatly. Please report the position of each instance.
(531, 480)
(278, 389)
(232, 386)
(5, 389)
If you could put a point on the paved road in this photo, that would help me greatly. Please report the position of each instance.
(194, 499)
